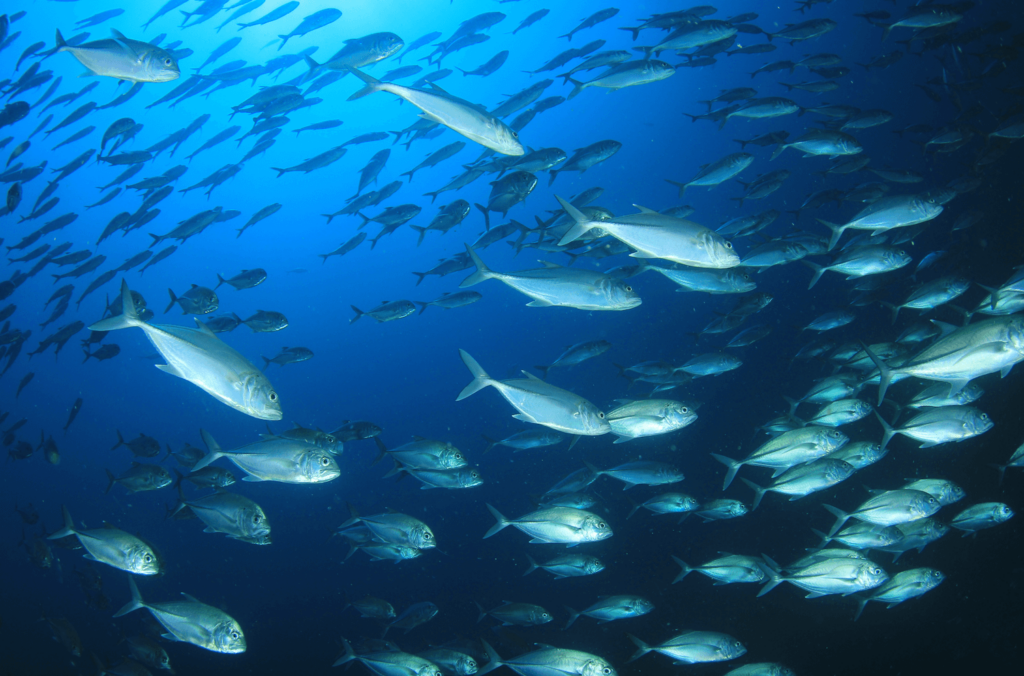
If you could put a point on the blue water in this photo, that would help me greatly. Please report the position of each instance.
(405, 375)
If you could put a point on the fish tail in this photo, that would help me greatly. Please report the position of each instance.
(840, 515)
(502, 522)
(381, 451)
(533, 565)
(68, 529)
(110, 481)
(686, 570)
(135, 604)
(552, 174)
(774, 576)
(577, 87)
(213, 449)
(480, 379)
(422, 231)
(266, 361)
(493, 663)
(886, 374)
(681, 186)
(128, 318)
(861, 602)
(359, 313)
(174, 299)
(582, 226)
(759, 492)
(482, 274)
(487, 216)
(825, 539)
(61, 43)
(420, 277)
(220, 280)
(642, 648)
(372, 83)
(573, 615)
(837, 232)
(819, 270)
(733, 465)
(893, 307)
(481, 612)
(889, 432)
(347, 656)
(543, 369)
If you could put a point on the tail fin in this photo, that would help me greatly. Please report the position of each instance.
(128, 318)
(68, 529)
(61, 43)
(819, 270)
(420, 277)
(681, 186)
(111, 479)
(135, 604)
(889, 432)
(825, 539)
(482, 274)
(372, 83)
(487, 216)
(347, 656)
(733, 465)
(174, 299)
(793, 404)
(573, 615)
(577, 87)
(634, 31)
(636, 505)
(214, 451)
(758, 492)
(642, 648)
(893, 307)
(552, 175)
(481, 614)
(862, 600)
(543, 370)
(686, 570)
(533, 565)
(422, 231)
(266, 363)
(491, 443)
(480, 377)
(841, 518)
(359, 313)
(493, 662)
(220, 280)
(837, 232)
(381, 451)
(886, 373)
(583, 224)
(774, 576)
(502, 521)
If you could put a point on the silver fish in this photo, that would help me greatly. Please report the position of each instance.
(612, 608)
(567, 565)
(278, 459)
(113, 547)
(904, 585)
(124, 59)
(558, 525)
(728, 569)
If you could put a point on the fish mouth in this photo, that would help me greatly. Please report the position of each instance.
(268, 415)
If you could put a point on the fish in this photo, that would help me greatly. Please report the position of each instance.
(234, 515)
(113, 547)
(728, 569)
(275, 458)
(141, 478)
(622, 75)
(198, 356)
(191, 621)
(123, 59)
(693, 647)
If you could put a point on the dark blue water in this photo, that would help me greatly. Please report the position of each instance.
(290, 596)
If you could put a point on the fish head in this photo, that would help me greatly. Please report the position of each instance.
(405, 552)
(595, 528)
(1015, 334)
(319, 466)
(465, 666)
(254, 523)
(618, 295)
(641, 606)
(978, 422)
(228, 637)
(839, 470)
(718, 249)
(832, 440)
(422, 538)
(428, 670)
(597, 667)
(890, 535)
(870, 576)
(729, 648)
(159, 66)
(452, 458)
(504, 140)
(1002, 513)
(592, 565)
(680, 414)
(469, 478)
(162, 478)
(259, 398)
(143, 560)
(590, 420)
(924, 505)
(540, 617)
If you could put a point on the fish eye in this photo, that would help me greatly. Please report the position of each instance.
(629, 288)
(234, 635)
(984, 416)
(474, 474)
(515, 135)
(606, 670)
(325, 462)
(728, 245)
(876, 571)
(685, 410)
(256, 518)
(273, 396)
(602, 524)
(458, 456)
(427, 536)
(331, 439)
(167, 61)
(737, 644)
(600, 415)
(147, 558)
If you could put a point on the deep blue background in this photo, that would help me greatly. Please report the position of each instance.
(405, 375)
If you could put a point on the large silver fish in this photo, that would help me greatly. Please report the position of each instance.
(460, 116)
(235, 515)
(200, 357)
(555, 525)
(539, 402)
(655, 235)
(124, 59)
(289, 461)
(555, 286)
(113, 547)
(549, 661)
(191, 621)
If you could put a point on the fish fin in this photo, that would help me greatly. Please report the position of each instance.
(68, 529)
(502, 522)
(493, 662)
(372, 83)
(252, 479)
(167, 368)
(686, 569)
(841, 518)
(540, 303)
(533, 565)
(582, 226)
(642, 648)
(60, 42)
(482, 273)
(480, 377)
(733, 465)
(135, 604)
(127, 319)
(214, 451)
(530, 376)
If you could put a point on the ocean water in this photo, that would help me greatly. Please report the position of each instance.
(290, 597)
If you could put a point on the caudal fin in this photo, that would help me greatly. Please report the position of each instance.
(480, 377)
(841, 518)
(111, 479)
(68, 529)
(482, 274)
(774, 575)
(583, 224)
(577, 87)
(533, 565)
(642, 648)
(819, 270)
(759, 492)
(493, 662)
(61, 43)
(573, 615)
(213, 449)
(733, 465)
(135, 604)
(686, 570)
(885, 377)
(372, 84)
(502, 521)
(128, 318)
(837, 232)
(888, 431)
(346, 656)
